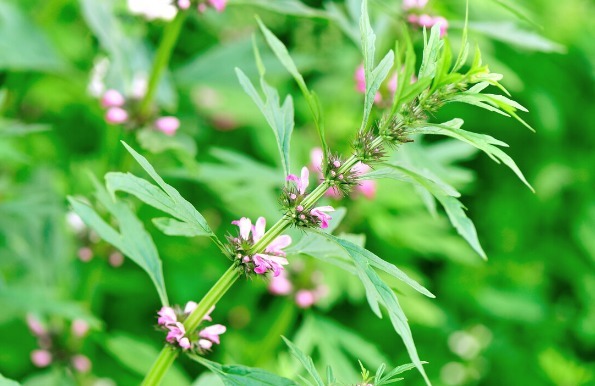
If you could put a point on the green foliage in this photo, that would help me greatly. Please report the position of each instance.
(306, 362)
(237, 375)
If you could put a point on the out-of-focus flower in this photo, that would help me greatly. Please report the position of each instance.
(79, 328)
(41, 358)
(428, 21)
(81, 363)
(167, 125)
(35, 326)
(219, 5)
(112, 98)
(75, 222)
(153, 9)
(360, 83)
(409, 4)
(280, 285)
(96, 85)
(116, 259)
(116, 115)
(304, 298)
(184, 4)
(85, 254)
(365, 187)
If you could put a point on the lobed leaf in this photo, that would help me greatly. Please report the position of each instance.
(132, 239)
(305, 360)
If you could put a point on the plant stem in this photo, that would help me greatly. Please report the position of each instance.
(161, 61)
(166, 358)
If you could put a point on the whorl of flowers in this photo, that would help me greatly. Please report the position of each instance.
(171, 319)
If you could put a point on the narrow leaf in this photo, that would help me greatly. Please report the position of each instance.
(305, 360)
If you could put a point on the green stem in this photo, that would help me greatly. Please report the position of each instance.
(161, 61)
(163, 362)
(168, 354)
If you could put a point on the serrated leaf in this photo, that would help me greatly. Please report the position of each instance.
(164, 197)
(132, 240)
(443, 192)
(172, 227)
(483, 142)
(379, 293)
(305, 360)
(279, 117)
(374, 76)
(282, 54)
(237, 375)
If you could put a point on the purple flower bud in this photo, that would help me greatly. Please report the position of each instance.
(167, 125)
(116, 115)
(336, 164)
(112, 98)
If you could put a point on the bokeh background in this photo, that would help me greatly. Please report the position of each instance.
(524, 317)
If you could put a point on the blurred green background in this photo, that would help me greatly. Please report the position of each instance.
(524, 317)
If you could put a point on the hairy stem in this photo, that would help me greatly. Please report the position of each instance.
(161, 61)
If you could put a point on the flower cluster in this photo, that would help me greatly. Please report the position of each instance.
(293, 197)
(168, 9)
(343, 183)
(271, 260)
(306, 290)
(116, 113)
(58, 346)
(171, 319)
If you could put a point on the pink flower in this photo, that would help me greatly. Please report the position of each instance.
(366, 187)
(167, 316)
(280, 285)
(190, 306)
(116, 259)
(443, 23)
(41, 358)
(429, 21)
(302, 182)
(176, 332)
(212, 332)
(85, 254)
(264, 263)
(360, 83)
(305, 298)
(202, 7)
(219, 5)
(316, 158)
(320, 212)
(79, 328)
(208, 315)
(167, 125)
(408, 4)
(81, 363)
(116, 115)
(425, 21)
(35, 326)
(245, 226)
(205, 344)
(112, 98)
(392, 84)
(184, 343)
(184, 4)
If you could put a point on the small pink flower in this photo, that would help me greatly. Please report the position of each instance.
(79, 328)
(219, 5)
(280, 285)
(35, 326)
(245, 225)
(320, 212)
(264, 263)
(202, 7)
(425, 21)
(190, 306)
(85, 254)
(184, 343)
(302, 182)
(205, 344)
(360, 78)
(176, 332)
(167, 125)
(112, 98)
(276, 246)
(258, 229)
(316, 158)
(81, 363)
(167, 316)
(116, 259)
(41, 358)
(367, 188)
(443, 23)
(116, 115)
(184, 4)
(408, 4)
(392, 84)
(212, 332)
(305, 298)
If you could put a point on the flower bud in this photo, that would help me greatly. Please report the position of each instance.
(79, 328)
(41, 358)
(167, 125)
(112, 98)
(116, 115)
(81, 363)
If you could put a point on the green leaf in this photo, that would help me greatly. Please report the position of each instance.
(380, 380)
(164, 197)
(483, 142)
(286, 7)
(237, 375)
(158, 142)
(509, 32)
(172, 227)
(443, 192)
(133, 240)
(374, 75)
(432, 48)
(379, 293)
(8, 382)
(305, 360)
(279, 117)
(23, 45)
(138, 356)
(283, 55)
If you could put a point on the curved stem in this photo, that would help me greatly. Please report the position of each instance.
(166, 358)
(166, 46)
